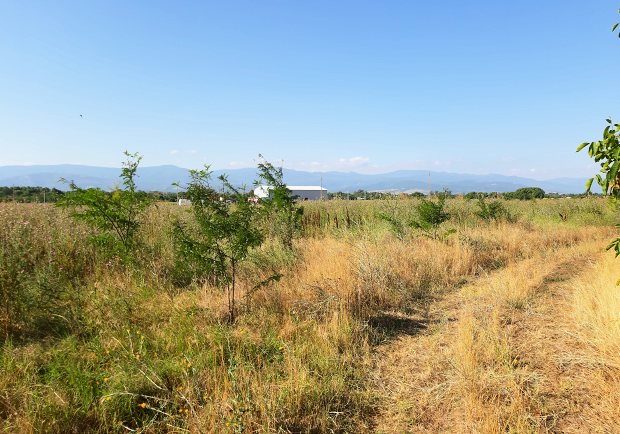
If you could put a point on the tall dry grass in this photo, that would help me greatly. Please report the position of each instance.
(497, 391)
(596, 309)
(535, 347)
(595, 314)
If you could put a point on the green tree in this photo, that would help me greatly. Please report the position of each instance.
(526, 193)
(114, 215)
(606, 152)
(279, 209)
(222, 234)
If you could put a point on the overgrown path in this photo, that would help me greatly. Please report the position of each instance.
(496, 355)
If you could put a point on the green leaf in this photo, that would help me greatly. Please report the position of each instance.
(599, 180)
(613, 29)
(583, 145)
(589, 184)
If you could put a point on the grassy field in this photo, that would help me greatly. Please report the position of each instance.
(493, 327)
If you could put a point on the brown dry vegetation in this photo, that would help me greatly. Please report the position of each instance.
(502, 327)
(514, 351)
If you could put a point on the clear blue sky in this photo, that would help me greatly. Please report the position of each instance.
(370, 86)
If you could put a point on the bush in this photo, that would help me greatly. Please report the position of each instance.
(491, 211)
(431, 215)
(115, 215)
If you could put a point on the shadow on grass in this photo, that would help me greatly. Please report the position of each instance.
(386, 327)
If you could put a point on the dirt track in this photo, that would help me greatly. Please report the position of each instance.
(480, 359)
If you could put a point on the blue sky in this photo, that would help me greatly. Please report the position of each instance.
(368, 86)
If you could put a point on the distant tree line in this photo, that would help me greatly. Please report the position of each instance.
(163, 196)
(363, 194)
(29, 194)
(44, 194)
(526, 193)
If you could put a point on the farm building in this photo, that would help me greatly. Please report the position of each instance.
(301, 192)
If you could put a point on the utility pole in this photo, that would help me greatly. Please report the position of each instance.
(429, 184)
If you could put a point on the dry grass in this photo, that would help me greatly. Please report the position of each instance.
(363, 333)
(501, 355)
(595, 315)
(596, 309)
(544, 355)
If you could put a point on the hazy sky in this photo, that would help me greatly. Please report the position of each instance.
(471, 86)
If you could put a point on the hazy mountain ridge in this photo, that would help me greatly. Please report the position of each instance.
(161, 178)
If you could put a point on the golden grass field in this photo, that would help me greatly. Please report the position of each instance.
(501, 327)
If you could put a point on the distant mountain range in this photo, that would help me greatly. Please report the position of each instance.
(161, 178)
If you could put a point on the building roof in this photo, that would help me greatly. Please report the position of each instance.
(265, 188)
(262, 191)
(306, 187)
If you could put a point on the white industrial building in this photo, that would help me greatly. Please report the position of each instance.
(301, 192)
